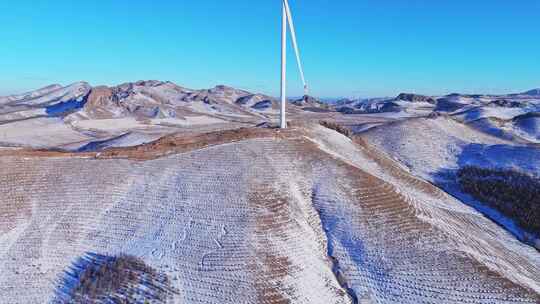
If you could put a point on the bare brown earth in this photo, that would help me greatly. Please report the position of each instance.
(100, 102)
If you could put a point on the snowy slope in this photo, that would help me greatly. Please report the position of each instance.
(81, 114)
(475, 113)
(435, 149)
(405, 103)
(30, 95)
(279, 217)
(528, 126)
(524, 128)
(44, 132)
(128, 139)
(50, 95)
(428, 145)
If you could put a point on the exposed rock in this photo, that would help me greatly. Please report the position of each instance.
(101, 101)
(307, 100)
(256, 101)
(437, 114)
(370, 107)
(344, 101)
(415, 98)
(263, 105)
(447, 104)
(507, 103)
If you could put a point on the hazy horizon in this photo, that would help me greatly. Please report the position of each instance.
(276, 96)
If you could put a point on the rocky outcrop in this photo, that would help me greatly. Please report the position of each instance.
(415, 98)
(448, 104)
(256, 101)
(307, 100)
(370, 107)
(100, 102)
(505, 103)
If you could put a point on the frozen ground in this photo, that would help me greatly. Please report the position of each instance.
(428, 145)
(258, 215)
(475, 113)
(79, 115)
(44, 132)
(527, 126)
(435, 148)
(303, 216)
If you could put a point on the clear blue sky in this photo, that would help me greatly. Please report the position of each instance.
(350, 47)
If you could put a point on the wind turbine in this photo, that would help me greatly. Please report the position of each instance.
(287, 21)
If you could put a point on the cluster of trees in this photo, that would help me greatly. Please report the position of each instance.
(116, 280)
(337, 127)
(514, 194)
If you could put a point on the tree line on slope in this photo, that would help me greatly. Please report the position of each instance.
(336, 127)
(121, 279)
(514, 194)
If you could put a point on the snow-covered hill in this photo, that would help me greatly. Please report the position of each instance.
(413, 104)
(435, 148)
(84, 114)
(528, 126)
(254, 215)
(198, 186)
(79, 115)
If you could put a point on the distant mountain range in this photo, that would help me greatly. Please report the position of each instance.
(447, 103)
(142, 100)
(158, 99)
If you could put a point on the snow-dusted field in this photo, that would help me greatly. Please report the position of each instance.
(42, 132)
(76, 115)
(259, 215)
(305, 216)
(428, 145)
(434, 149)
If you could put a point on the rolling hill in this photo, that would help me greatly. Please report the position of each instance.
(149, 191)
(255, 215)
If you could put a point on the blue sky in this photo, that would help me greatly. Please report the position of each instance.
(349, 47)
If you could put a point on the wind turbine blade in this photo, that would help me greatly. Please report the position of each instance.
(295, 45)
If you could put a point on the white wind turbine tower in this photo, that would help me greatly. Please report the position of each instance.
(288, 20)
